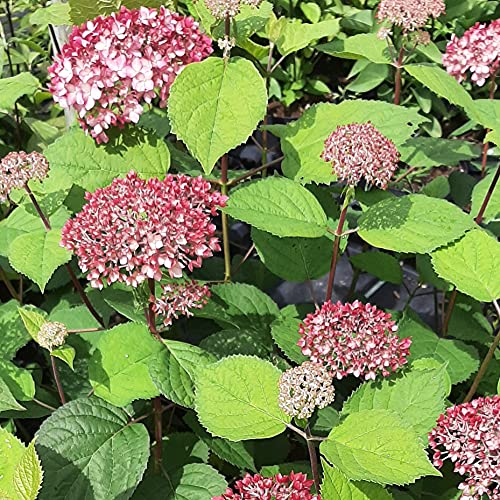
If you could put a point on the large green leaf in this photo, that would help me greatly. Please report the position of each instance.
(278, 206)
(14, 335)
(237, 399)
(56, 14)
(285, 332)
(414, 223)
(28, 475)
(250, 341)
(380, 264)
(377, 446)
(492, 212)
(471, 264)
(18, 380)
(215, 105)
(11, 89)
(195, 482)
(89, 449)
(7, 400)
(119, 366)
(92, 166)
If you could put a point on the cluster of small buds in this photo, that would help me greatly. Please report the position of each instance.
(304, 388)
(179, 299)
(127, 232)
(111, 65)
(294, 486)
(410, 14)
(17, 168)
(477, 51)
(52, 335)
(221, 9)
(356, 339)
(469, 436)
(359, 151)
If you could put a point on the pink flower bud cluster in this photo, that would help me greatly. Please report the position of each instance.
(477, 51)
(356, 339)
(178, 299)
(410, 14)
(111, 65)
(469, 436)
(17, 168)
(359, 151)
(295, 486)
(130, 230)
(228, 8)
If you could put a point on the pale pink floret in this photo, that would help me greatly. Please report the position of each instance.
(476, 52)
(179, 299)
(17, 168)
(469, 436)
(410, 14)
(353, 339)
(135, 229)
(359, 151)
(294, 486)
(111, 65)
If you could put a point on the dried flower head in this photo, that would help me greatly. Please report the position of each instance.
(294, 486)
(228, 8)
(410, 14)
(111, 65)
(179, 299)
(469, 436)
(356, 339)
(359, 151)
(52, 334)
(477, 51)
(304, 388)
(17, 168)
(133, 228)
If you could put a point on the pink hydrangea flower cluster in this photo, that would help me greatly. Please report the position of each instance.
(356, 339)
(477, 51)
(221, 9)
(111, 65)
(410, 14)
(179, 299)
(17, 168)
(295, 486)
(359, 151)
(469, 436)
(130, 230)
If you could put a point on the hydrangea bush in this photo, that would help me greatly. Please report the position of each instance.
(248, 250)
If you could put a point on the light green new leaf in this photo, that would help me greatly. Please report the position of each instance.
(471, 264)
(56, 14)
(492, 212)
(377, 446)
(11, 452)
(196, 482)
(278, 206)
(414, 223)
(208, 99)
(18, 380)
(37, 255)
(237, 399)
(11, 89)
(7, 400)
(82, 10)
(89, 449)
(119, 366)
(380, 264)
(28, 475)
(66, 353)
(32, 320)
(285, 332)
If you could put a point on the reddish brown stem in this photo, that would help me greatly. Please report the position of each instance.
(449, 311)
(158, 418)
(8, 284)
(487, 198)
(313, 459)
(57, 380)
(335, 253)
(397, 76)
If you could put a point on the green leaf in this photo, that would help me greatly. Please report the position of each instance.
(492, 212)
(12, 452)
(336, 485)
(437, 188)
(380, 264)
(14, 335)
(11, 89)
(278, 206)
(196, 482)
(471, 264)
(7, 400)
(28, 475)
(237, 399)
(66, 353)
(91, 166)
(293, 259)
(208, 98)
(89, 449)
(18, 380)
(37, 255)
(285, 332)
(369, 78)
(377, 446)
(32, 321)
(414, 223)
(56, 14)
(250, 342)
(302, 141)
(119, 366)
(418, 397)
(174, 370)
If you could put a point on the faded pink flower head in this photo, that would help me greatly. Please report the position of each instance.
(477, 51)
(133, 228)
(469, 436)
(410, 14)
(112, 65)
(228, 8)
(356, 339)
(179, 299)
(359, 151)
(17, 168)
(294, 486)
